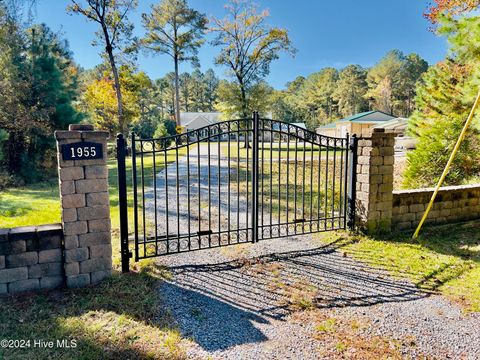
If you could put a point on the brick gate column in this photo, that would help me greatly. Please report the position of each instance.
(375, 181)
(83, 181)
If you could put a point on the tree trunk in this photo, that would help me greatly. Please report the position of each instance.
(244, 101)
(118, 91)
(243, 95)
(14, 152)
(177, 92)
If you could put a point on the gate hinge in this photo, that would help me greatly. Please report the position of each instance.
(129, 254)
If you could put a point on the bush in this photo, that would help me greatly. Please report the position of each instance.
(160, 131)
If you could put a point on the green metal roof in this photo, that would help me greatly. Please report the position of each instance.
(360, 121)
(357, 119)
(329, 126)
(356, 116)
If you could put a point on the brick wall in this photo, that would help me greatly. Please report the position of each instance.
(85, 209)
(452, 204)
(380, 209)
(375, 181)
(31, 258)
(77, 252)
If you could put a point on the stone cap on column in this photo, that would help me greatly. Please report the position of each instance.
(81, 131)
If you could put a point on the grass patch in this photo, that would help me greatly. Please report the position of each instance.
(327, 326)
(299, 186)
(274, 150)
(40, 203)
(301, 295)
(32, 205)
(444, 260)
(120, 318)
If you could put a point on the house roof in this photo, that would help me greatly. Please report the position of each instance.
(329, 126)
(300, 125)
(397, 124)
(360, 118)
(188, 117)
(357, 116)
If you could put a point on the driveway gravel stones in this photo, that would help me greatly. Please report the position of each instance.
(241, 304)
(245, 301)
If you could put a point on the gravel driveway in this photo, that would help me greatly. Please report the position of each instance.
(243, 301)
(239, 303)
(178, 196)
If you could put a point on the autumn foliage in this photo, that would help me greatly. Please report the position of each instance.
(449, 7)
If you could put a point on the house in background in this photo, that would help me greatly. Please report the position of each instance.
(360, 124)
(300, 125)
(398, 126)
(196, 120)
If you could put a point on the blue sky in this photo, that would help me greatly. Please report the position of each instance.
(325, 33)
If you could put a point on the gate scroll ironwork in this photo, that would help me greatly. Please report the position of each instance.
(233, 182)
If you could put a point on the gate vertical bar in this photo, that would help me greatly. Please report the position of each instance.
(122, 202)
(352, 189)
(135, 195)
(255, 178)
(345, 200)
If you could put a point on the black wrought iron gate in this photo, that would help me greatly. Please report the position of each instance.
(232, 182)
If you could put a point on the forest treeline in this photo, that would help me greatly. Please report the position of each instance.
(42, 89)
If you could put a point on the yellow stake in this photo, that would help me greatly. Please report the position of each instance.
(447, 167)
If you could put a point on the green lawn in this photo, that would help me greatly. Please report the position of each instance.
(298, 184)
(32, 205)
(39, 203)
(274, 150)
(444, 260)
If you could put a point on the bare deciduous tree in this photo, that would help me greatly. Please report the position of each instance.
(115, 33)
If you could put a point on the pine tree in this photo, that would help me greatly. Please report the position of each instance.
(316, 97)
(443, 103)
(350, 90)
(38, 88)
(174, 29)
(437, 122)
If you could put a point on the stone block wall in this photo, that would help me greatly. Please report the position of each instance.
(31, 258)
(77, 252)
(375, 181)
(452, 204)
(85, 210)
